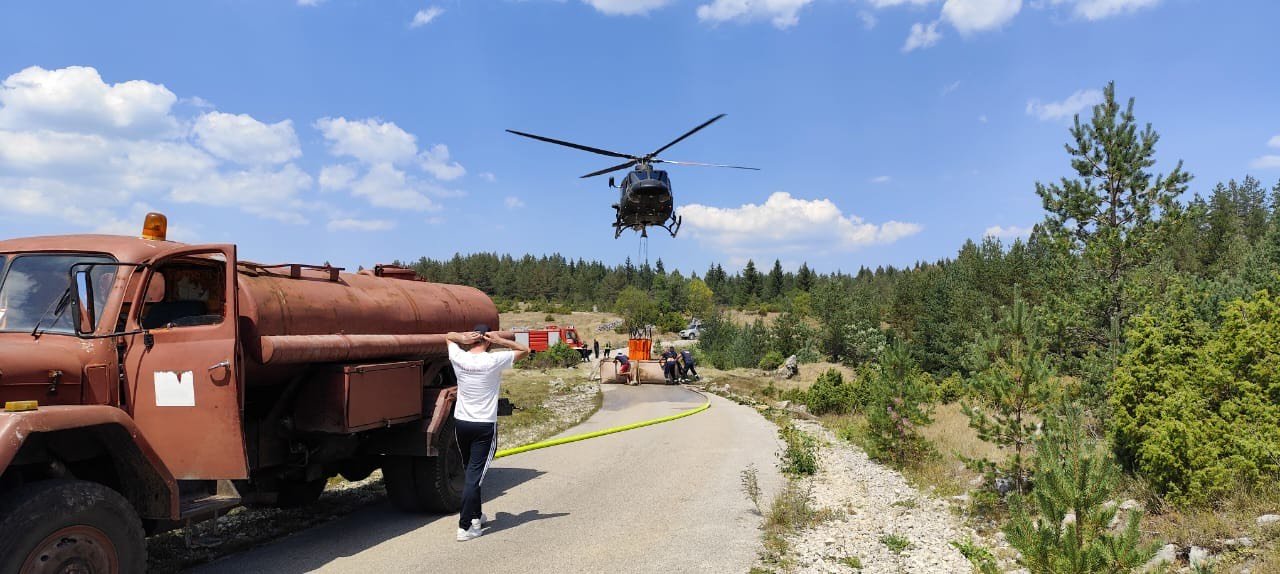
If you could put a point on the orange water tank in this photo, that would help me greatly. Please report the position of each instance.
(639, 349)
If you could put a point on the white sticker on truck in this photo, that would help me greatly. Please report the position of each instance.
(174, 389)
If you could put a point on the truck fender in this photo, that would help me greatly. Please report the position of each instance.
(148, 484)
(443, 400)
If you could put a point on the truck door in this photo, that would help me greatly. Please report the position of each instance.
(183, 373)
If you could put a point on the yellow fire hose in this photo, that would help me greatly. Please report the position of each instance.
(584, 436)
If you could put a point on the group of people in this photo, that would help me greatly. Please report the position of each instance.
(677, 367)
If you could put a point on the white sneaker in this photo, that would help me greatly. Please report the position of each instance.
(484, 519)
(471, 533)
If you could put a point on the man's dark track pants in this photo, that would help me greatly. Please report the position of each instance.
(478, 442)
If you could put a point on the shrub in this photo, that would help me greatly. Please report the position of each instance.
(800, 457)
(558, 355)
(671, 322)
(1195, 409)
(1064, 525)
(770, 361)
(830, 394)
(897, 408)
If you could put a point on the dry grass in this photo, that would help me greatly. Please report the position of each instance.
(1209, 527)
(951, 435)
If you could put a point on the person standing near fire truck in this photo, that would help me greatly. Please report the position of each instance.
(475, 414)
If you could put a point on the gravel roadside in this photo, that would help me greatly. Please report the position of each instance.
(874, 509)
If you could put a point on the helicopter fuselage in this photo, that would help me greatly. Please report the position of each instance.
(645, 200)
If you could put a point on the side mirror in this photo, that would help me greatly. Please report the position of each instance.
(82, 300)
(611, 183)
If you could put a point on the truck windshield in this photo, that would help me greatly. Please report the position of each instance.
(30, 286)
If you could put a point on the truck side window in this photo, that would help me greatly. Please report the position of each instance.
(185, 292)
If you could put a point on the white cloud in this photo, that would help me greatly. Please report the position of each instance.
(922, 36)
(892, 3)
(335, 177)
(309, 2)
(982, 118)
(1101, 9)
(881, 179)
(1274, 141)
(513, 202)
(242, 139)
(349, 224)
(1074, 104)
(425, 16)
(386, 186)
(781, 13)
(368, 140)
(488, 176)
(626, 7)
(784, 224)
(79, 149)
(1266, 162)
(1010, 232)
(869, 20)
(969, 16)
(265, 193)
(76, 99)
(953, 86)
(435, 160)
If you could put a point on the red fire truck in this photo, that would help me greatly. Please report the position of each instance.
(541, 339)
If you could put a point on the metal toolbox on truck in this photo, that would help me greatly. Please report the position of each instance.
(351, 398)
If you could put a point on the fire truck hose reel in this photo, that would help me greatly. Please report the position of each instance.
(584, 436)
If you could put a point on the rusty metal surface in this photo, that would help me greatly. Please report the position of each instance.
(184, 391)
(16, 427)
(359, 397)
(282, 314)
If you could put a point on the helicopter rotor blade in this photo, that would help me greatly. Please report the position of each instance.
(609, 169)
(574, 145)
(686, 134)
(673, 162)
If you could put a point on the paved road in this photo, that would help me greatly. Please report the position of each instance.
(664, 498)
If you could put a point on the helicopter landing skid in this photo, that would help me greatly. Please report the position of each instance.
(672, 227)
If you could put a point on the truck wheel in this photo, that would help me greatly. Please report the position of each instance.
(427, 483)
(57, 526)
(296, 494)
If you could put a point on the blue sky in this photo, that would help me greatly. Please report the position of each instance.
(355, 131)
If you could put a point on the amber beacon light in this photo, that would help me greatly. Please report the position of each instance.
(155, 226)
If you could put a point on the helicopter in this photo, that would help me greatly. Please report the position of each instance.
(644, 198)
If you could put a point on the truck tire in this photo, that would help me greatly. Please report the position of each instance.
(427, 483)
(295, 494)
(70, 525)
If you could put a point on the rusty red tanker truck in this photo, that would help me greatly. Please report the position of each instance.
(148, 384)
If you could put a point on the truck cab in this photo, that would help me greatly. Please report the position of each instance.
(148, 384)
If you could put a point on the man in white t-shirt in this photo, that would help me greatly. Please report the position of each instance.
(475, 413)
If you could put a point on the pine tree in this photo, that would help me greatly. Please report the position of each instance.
(804, 278)
(1064, 525)
(750, 280)
(1108, 210)
(774, 283)
(898, 407)
(1009, 390)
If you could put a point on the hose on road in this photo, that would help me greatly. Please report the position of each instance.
(584, 436)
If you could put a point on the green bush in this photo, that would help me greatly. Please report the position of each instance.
(897, 408)
(671, 322)
(831, 394)
(1195, 409)
(800, 457)
(770, 361)
(557, 356)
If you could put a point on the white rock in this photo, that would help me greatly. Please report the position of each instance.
(1168, 554)
(1198, 557)
(1268, 519)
